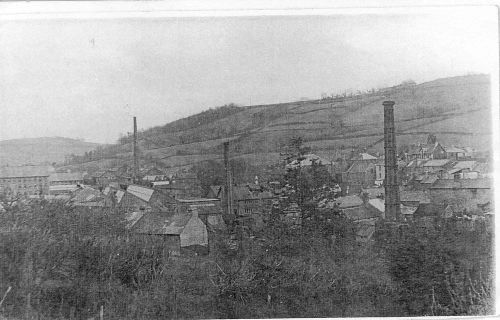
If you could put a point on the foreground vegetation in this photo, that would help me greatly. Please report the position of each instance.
(62, 262)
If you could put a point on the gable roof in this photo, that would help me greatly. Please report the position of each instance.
(360, 166)
(349, 201)
(361, 213)
(308, 160)
(436, 163)
(429, 179)
(483, 183)
(24, 171)
(216, 190)
(140, 192)
(429, 209)
(66, 176)
(87, 194)
(465, 165)
(161, 224)
(420, 196)
(454, 150)
(365, 156)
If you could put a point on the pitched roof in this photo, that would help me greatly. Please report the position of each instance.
(366, 156)
(140, 192)
(308, 160)
(374, 192)
(215, 190)
(360, 166)
(87, 194)
(454, 150)
(483, 183)
(429, 179)
(465, 165)
(429, 209)
(24, 171)
(66, 176)
(63, 187)
(361, 213)
(160, 223)
(378, 204)
(349, 201)
(420, 196)
(436, 163)
(132, 218)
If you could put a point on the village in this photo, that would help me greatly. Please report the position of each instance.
(434, 181)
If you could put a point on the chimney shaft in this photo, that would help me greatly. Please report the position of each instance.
(228, 182)
(392, 201)
(136, 163)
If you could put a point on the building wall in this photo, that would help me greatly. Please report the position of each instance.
(460, 199)
(25, 185)
(194, 233)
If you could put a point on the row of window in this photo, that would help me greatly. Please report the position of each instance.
(22, 180)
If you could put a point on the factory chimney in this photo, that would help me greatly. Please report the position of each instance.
(136, 162)
(228, 181)
(392, 201)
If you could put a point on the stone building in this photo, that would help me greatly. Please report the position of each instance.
(25, 180)
(462, 194)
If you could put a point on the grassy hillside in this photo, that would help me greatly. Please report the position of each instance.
(41, 150)
(456, 109)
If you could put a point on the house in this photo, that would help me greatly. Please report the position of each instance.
(438, 166)
(209, 210)
(177, 233)
(90, 198)
(138, 197)
(215, 192)
(184, 184)
(248, 201)
(414, 198)
(462, 194)
(427, 151)
(102, 178)
(360, 174)
(455, 153)
(308, 160)
(25, 180)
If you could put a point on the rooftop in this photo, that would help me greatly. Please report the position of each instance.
(436, 163)
(140, 192)
(462, 184)
(161, 223)
(24, 171)
(66, 176)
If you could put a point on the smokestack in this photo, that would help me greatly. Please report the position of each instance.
(228, 182)
(392, 201)
(136, 163)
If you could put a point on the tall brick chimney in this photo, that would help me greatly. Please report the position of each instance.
(392, 201)
(228, 183)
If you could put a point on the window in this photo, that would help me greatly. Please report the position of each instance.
(474, 193)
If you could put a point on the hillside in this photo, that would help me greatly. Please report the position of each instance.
(41, 150)
(456, 109)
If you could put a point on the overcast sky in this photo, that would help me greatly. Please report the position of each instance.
(87, 78)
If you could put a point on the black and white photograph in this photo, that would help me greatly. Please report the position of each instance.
(180, 160)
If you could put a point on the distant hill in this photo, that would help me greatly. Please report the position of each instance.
(456, 110)
(41, 150)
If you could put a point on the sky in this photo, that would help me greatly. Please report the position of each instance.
(87, 78)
